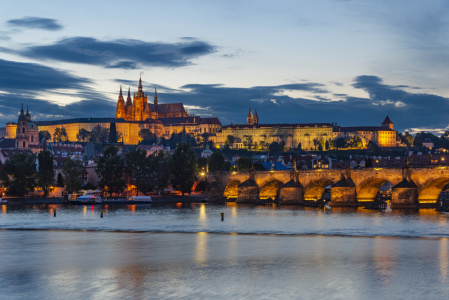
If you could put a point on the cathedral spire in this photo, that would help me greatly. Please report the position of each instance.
(155, 96)
(21, 111)
(121, 95)
(140, 90)
(128, 100)
(255, 118)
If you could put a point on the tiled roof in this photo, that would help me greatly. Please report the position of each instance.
(93, 120)
(209, 121)
(363, 128)
(7, 143)
(180, 120)
(319, 125)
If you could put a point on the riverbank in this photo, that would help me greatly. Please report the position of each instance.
(193, 198)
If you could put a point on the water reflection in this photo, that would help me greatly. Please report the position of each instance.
(444, 263)
(201, 248)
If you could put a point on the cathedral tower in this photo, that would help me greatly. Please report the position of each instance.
(387, 123)
(120, 106)
(27, 131)
(249, 118)
(255, 118)
(140, 104)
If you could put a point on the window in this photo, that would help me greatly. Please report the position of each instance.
(23, 129)
(23, 144)
(32, 138)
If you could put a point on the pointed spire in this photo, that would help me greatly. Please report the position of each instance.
(140, 82)
(128, 100)
(250, 114)
(21, 111)
(155, 96)
(121, 95)
(27, 109)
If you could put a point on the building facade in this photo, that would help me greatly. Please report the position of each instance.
(135, 114)
(27, 131)
(305, 136)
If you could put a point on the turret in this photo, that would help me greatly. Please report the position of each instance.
(249, 118)
(387, 123)
(120, 106)
(155, 96)
(128, 100)
(255, 118)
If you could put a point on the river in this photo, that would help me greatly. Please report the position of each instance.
(186, 252)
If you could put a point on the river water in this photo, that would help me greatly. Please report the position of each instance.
(186, 252)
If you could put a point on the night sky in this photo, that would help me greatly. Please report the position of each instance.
(349, 62)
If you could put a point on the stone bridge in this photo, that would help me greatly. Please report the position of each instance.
(412, 187)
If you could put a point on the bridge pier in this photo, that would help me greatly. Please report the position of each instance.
(248, 191)
(291, 192)
(343, 193)
(405, 194)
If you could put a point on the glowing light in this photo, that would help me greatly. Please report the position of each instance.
(427, 201)
(179, 204)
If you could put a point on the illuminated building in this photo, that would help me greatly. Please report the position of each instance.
(309, 136)
(136, 114)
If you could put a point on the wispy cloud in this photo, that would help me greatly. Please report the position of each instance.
(36, 23)
(120, 53)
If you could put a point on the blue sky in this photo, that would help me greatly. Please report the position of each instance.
(349, 62)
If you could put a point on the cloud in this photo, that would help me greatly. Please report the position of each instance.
(31, 77)
(231, 104)
(34, 84)
(121, 53)
(36, 23)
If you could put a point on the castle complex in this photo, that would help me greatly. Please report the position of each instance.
(163, 120)
(140, 110)
(304, 136)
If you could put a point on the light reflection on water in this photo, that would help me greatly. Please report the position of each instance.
(186, 252)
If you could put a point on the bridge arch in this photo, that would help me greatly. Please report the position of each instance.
(315, 189)
(369, 189)
(432, 189)
(270, 189)
(231, 189)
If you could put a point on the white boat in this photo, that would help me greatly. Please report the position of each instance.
(91, 199)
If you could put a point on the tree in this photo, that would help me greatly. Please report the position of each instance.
(340, 143)
(44, 135)
(60, 135)
(176, 139)
(201, 162)
(244, 163)
(45, 176)
(275, 147)
(20, 171)
(60, 180)
(205, 138)
(407, 139)
(248, 142)
(99, 135)
(161, 163)
(356, 142)
(146, 137)
(230, 140)
(110, 168)
(183, 169)
(73, 170)
(140, 169)
(216, 161)
(327, 145)
(83, 135)
(316, 142)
